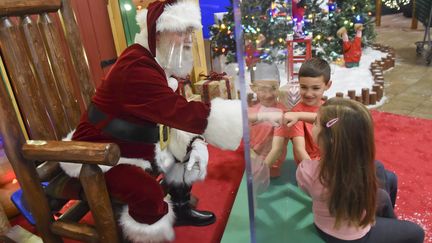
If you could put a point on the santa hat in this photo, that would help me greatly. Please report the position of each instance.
(170, 15)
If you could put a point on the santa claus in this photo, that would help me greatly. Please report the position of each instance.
(157, 129)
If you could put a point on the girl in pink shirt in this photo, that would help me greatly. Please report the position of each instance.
(343, 184)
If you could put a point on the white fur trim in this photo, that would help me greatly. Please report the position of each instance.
(172, 83)
(180, 16)
(160, 231)
(74, 169)
(179, 175)
(224, 128)
(142, 163)
(179, 140)
(164, 159)
(176, 17)
(175, 172)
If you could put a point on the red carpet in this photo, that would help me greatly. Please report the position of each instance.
(216, 194)
(404, 145)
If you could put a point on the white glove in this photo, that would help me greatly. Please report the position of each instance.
(198, 158)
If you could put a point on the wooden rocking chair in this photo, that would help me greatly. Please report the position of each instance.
(48, 76)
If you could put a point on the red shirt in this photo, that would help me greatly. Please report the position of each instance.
(304, 129)
(262, 133)
(352, 50)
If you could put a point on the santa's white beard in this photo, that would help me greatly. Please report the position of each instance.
(178, 64)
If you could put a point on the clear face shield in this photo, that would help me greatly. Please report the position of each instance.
(176, 51)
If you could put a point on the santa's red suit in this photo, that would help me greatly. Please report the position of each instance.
(136, 91)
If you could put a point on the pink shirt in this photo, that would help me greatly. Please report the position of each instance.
(308, 181)
(262, 133)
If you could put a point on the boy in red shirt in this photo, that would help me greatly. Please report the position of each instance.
(269, 142)
(314, 79)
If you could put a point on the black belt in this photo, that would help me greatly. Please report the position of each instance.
(124, 130)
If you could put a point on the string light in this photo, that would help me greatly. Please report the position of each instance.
(395, 3)
(127, 7)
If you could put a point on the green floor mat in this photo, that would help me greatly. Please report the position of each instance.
(283, 213)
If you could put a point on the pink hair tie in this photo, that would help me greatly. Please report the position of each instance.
(332, 122)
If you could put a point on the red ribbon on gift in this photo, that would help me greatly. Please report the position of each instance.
(214, 76)
(182, 82)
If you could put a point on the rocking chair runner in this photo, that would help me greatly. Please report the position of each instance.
(50, 80)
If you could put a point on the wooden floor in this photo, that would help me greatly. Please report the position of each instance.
(408, 86)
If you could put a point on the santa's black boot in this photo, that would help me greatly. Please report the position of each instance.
(185, 214)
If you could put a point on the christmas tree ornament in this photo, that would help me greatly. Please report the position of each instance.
(332, 6)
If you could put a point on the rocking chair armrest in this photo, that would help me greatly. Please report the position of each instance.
(72, 151)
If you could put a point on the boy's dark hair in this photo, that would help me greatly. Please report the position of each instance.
(315, 67)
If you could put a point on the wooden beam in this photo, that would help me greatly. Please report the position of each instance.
(378, 9)
(20, 7)
(200, 63)
(72, 151)
(414, 21)
(76, 231)
(117, 26)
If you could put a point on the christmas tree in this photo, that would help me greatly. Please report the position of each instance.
(327, 17)
(265, 23)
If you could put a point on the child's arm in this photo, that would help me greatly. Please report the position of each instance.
(304, 180)
(292, 118)
(276, 150)
(299, 147)
(275, 117)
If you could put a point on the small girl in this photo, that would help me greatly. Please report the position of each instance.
(268, 141)
(343, 184)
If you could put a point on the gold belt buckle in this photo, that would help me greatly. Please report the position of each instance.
(164, 141)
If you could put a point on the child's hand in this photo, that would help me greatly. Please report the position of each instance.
(291, 118)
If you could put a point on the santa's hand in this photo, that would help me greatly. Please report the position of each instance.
(274, 117)
(198, 158)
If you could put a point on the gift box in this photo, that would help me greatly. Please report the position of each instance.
(215, 85)
(194, 97)
(184, 87)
